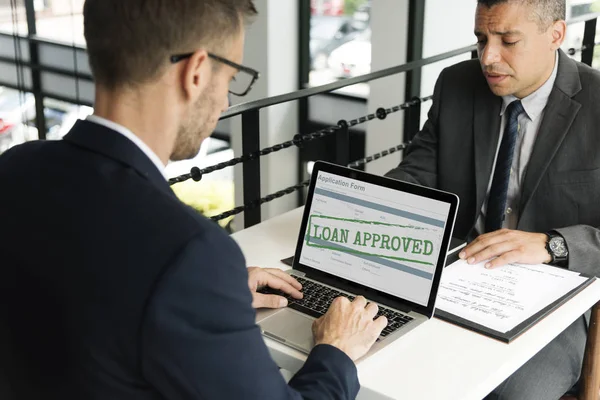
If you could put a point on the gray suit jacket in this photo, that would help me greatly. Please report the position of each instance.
(561, 190)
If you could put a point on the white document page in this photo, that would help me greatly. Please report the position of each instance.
(502, 298)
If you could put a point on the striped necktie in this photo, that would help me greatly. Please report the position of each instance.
(496, 208)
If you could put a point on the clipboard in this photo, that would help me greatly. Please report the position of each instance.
(506, 337)
(518, 330)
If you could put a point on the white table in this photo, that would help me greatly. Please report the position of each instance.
(438, 360)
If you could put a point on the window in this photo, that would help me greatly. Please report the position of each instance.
(574, 37)
(60, 20)
(13, 19)
(340, 42)
(16, 109)
(18, 117)
(579, 8)
(439, 20)
(61, 116)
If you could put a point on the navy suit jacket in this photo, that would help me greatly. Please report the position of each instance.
(111, 288)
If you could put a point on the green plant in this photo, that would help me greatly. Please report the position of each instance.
(207, 197)
(350, 6)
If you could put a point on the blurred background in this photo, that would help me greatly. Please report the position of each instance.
(46, 84)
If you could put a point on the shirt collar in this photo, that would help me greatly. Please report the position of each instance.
(535, 103)
(131, 136)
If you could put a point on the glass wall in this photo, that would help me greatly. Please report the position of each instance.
(64, 87)
(17, 111)
(574, 39)
(340, 42)
(439, 21)
(60, 20)
(13, 19)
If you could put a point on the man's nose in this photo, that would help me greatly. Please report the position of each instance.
(489, 55)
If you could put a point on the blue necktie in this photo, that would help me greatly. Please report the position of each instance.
(496, 208)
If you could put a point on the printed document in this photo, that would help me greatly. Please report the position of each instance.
(502, 298)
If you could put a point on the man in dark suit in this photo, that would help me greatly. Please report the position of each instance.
(519, 144)
(111, 288)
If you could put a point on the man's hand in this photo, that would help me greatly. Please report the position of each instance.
(276, 279)
(349, 326)
(509, 247)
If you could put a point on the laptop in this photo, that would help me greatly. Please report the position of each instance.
(363, 234)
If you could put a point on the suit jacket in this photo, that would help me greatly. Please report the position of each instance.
(561, 190)
(111, 288)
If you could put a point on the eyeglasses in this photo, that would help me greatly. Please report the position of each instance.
(242, 82)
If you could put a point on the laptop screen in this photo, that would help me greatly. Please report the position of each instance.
(375, 236)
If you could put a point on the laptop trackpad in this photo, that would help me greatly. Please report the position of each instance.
(291, 328)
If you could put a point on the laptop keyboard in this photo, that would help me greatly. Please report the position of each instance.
(317, 299)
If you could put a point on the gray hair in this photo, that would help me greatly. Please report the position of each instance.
(546, 12)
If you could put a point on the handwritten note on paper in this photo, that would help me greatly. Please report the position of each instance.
(502, 298)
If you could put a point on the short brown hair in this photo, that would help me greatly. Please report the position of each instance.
(130, 41)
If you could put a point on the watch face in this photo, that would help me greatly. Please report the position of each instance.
(557, 245)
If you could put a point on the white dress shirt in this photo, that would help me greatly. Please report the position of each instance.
(529, 124)
(131, 136)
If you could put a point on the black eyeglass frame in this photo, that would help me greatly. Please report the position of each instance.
(254, 73)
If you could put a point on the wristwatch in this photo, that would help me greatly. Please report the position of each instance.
(557, 248)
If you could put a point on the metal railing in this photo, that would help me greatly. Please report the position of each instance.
(250, 114)
(251, 120)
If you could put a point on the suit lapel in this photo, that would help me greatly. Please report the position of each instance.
(486, 128)
(559, 114)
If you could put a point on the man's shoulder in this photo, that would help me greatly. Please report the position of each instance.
(590, 77)
(464, 72)
(198, 228)
(22, 152)
(460, 80)
(91, 181)
(582, 84)
(457, 84)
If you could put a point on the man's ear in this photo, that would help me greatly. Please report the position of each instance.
(195, 74)
(558, 30)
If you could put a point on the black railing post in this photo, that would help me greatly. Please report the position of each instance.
(589, 39)
(251, 168)
(413, 120)
(304, 78)
(416, 11)
(36, 75)
(342, 144)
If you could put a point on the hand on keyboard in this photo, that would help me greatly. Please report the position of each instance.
(278, 281)
(350, 326)
(317, 299)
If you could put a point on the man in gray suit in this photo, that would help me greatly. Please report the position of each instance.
(516, 136)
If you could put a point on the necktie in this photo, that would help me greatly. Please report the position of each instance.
(496, 208)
